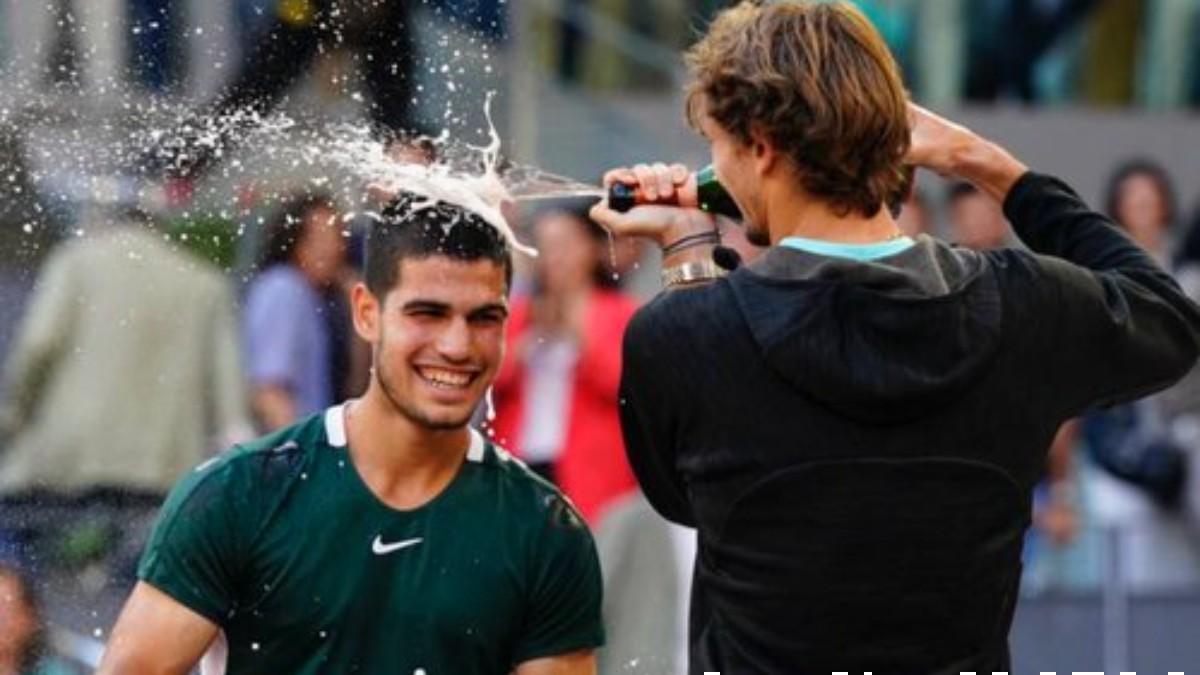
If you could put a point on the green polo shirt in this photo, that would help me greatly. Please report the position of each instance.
(282, 544)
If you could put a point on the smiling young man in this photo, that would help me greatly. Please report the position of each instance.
(384, 535)
(855, 421)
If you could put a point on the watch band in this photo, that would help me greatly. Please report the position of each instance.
(691, 272)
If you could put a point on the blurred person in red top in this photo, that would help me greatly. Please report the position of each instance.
(556, 394)
(976, 220)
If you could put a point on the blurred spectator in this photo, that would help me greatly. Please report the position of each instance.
(894, 19)
(1007, 39)
(124, 375)
(380, 31)
(570, 40)
(1169, 58)
(1141, 200)
(1056, 513)
(556, 394)
(251, 19)
(1150, 445)
(976, 220)
(153, 50)
(287, 332)
(1060, 550)
(915, 218)
(1181, 403)
(1187, 258)
(23, 641)
(1110, 51)
(72, 45)
(1194, 98)
(939, 55)
(122, 311)
(647, 564)
(619, 45)
(484, 17)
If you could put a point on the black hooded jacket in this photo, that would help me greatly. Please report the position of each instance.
(856, 443)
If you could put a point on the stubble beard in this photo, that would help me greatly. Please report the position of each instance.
(410, 412)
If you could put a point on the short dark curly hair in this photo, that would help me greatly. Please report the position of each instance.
(818, 80)
(411, 228)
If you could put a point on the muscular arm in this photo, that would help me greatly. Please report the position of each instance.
(576, 663)
(1120, 326)
(155, 635)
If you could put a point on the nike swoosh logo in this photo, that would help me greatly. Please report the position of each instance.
(380, 548)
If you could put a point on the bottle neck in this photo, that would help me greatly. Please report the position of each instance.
(713, 197)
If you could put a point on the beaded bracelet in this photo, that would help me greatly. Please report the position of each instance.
(691, 241)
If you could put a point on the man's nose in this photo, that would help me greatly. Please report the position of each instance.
(454, 343)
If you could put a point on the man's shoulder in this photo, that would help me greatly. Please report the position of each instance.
(681, 314)
(1027, 279)
(254, 470)
(536, 502)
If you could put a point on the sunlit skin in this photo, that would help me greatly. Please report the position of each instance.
(437, 338)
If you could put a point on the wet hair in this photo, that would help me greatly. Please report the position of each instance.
(286, 228)
(1140, 166)
(411, 229)
(37, 646)
(817, 80)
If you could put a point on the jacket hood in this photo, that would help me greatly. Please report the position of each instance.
(882, 341)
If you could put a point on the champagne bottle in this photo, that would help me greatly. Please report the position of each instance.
(702, 190)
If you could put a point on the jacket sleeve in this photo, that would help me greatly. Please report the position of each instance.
(1121, 326)
(648, 423)
(228, 395)
(43, 336)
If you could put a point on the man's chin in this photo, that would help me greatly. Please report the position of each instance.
(445, 425)
(440, 420)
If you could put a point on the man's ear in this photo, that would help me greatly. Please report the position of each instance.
(763, 150)
(366, 310)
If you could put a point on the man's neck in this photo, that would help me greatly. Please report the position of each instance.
(402, 462)
(793, 215)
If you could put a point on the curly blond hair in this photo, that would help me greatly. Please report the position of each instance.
(817, 80)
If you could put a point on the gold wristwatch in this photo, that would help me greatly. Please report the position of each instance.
(691, 273)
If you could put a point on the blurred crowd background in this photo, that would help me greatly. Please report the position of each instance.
(153, 312)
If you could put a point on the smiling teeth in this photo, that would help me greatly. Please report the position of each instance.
(445, 378)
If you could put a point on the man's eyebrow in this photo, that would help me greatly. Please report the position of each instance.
(427, 305)
(490, 308)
